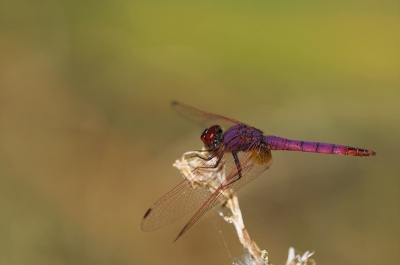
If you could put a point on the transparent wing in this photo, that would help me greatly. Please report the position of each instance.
(252, 163)
(203, 118)
(179, 201)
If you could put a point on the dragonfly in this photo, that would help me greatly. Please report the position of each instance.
(243, 150)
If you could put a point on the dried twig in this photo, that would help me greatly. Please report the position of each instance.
(211, 178)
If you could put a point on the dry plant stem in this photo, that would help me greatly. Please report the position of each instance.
(259, 257)
(294, 259)
(211, 178)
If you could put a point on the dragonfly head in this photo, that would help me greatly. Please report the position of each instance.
(212, 136)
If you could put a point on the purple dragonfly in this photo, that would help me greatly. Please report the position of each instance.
(244, 151)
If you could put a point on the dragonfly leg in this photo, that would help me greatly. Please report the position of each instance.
(239, 167)
(216, 163)
(207, 158)
(204, 150)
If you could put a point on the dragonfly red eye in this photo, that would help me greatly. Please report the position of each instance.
(211, 137)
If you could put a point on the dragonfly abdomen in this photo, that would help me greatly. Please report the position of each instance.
(279, 143)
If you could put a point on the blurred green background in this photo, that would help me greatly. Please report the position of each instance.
(88, 138)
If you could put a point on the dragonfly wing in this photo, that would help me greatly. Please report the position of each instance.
(179, 201)
(202, 118)
(212, 201)
(252, 164)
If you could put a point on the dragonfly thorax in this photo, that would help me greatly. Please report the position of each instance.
(243, 138)
(212, 136)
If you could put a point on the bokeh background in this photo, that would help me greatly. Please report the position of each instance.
(88, 137)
